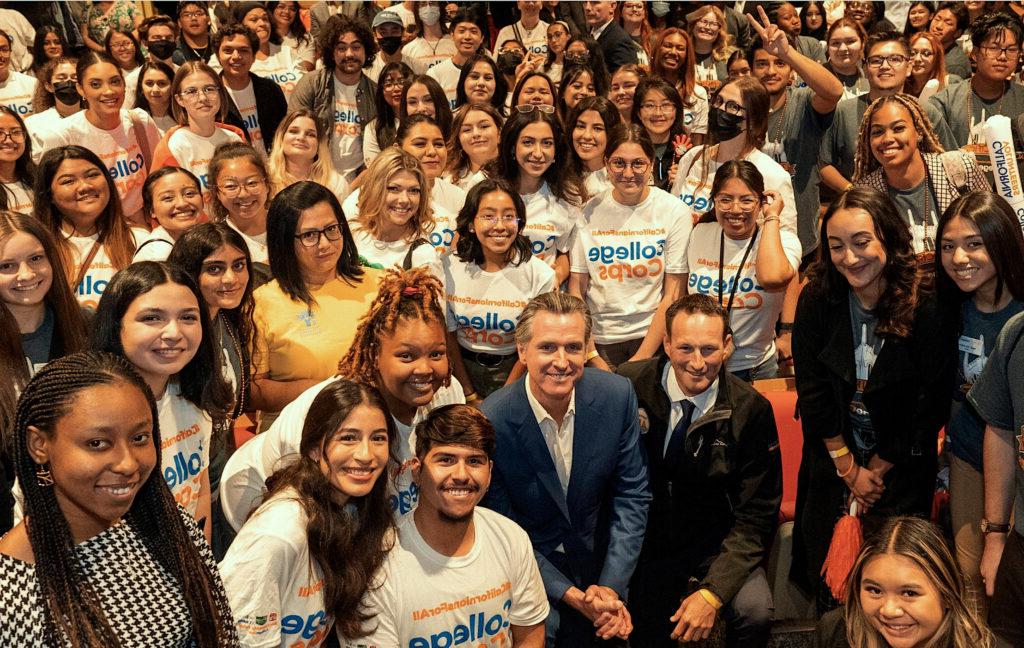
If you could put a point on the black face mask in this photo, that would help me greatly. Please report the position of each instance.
(390, 44)
(509, 61)
(66, 93)
(722, 125)
(162, 49)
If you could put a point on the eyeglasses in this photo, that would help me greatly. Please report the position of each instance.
(15, 135)
(747, 203)
(993, 51)
(526, 109)
(729, 106)
(232, 189)
(664, 108)
(491, 219)
(894, 60)
(638, 166)
(123, 45)
(193, 93)
(312, 237)
(192, 14)
(710, 24)
(394, 83)
(5, 50)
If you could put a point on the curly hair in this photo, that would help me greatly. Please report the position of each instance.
(903, 290)
(864, 160)
(724, 43)
(339, 25)
(373, 195)
(43, 99)
(409, 294)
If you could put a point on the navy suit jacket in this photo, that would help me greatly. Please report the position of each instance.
(619, 49)
(601, 522)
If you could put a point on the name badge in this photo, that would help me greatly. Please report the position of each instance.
(973, 346)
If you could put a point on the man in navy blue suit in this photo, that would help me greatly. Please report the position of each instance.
(569, 468)
(619, 49)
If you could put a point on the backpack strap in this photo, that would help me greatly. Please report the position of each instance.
(407, 262)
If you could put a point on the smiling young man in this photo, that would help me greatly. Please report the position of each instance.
(716, 476)
(570, 470)
(458, 574)
(195, 43)
(966, 105)
(256, 104)
(619, 49)
(465, 29)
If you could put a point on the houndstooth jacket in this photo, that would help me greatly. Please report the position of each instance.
(945, 190)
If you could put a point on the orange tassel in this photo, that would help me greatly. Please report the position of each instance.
(842, 553)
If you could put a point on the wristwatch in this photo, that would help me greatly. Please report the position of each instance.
(991, 527)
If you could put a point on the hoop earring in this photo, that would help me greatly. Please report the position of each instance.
(44, 477)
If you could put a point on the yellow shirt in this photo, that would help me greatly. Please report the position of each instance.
(294, 342)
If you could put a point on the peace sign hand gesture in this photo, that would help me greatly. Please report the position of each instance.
(774, 40)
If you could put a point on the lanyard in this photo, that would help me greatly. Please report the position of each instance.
(739, 270)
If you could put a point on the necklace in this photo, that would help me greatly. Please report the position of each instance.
(970, 104)
(781, 112)
(243, 380)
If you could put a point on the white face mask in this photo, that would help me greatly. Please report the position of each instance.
(430, 15)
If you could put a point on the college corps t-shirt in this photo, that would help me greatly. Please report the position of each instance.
(428, 600)
(245, 101)
(275, 590)
(16, 93)
(100, 271)
(549, 224)
(443, 234)
(626, 251)
(185, 433)
(194, 152)
(346, 144)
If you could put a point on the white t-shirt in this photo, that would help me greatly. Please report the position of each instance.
(100, 271)
(627, 251)
(483, 307)
(408, 19)
(257, 244)
(245, 101)
(384, 254)
(597, 182)
(446, 73)
(19, 196)
(164, 124)
(755, 309)
(243, 482)
(275, 590)
(155, 246)
(695, 117)
(16, 93)
(279, 67)
(131, 81)
(549, 224)
(447, 195)
(468, 181)
(421, 55)
(695, 190)
(185, 434)
(376, 67)
(304, 50)
(347, 142)
(38, 124)
(443, 234)
(194, 152)
(429, 599)
(535, 40)
(118, 149)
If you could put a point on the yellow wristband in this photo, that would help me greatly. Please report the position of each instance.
(841, 452)
(710, 597)
(593, 354)
(472, 398)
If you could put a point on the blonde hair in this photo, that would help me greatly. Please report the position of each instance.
(322, 170)
(864, 161)
(373, 195)
(723, 46)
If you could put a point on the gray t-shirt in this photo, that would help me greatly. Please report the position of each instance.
(36, 344)
(912, 205)
(800, 129)
(998, 396)
(957, 61)
(839, 144)
(866, 347)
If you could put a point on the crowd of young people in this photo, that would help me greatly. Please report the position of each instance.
(531, 257)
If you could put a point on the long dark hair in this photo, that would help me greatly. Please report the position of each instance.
(362, 537)
(139, 58)
(1001, 234)
(201, 381)
(114, 235)
(24, 167)
(71, 607)
(569, 76)
(384, 127)
(897, 303)
(500, 84)
(39, 58)
(650, 84)
(458, 161)
(282, 220)
(442, 110)
(68, 324)
(189, 252)
(518, 90)
(296, 29)
(140, 96)
(596, 55)
(468, 247)
(609, 116)
(562, 181)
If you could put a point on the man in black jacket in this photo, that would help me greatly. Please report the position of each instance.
(619, 49)
(716, 475)
(256, 104)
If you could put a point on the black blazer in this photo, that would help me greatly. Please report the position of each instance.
(271, 107)
(907, 396)
(619, 49)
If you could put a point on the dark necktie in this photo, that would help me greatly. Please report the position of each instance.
(677, 441)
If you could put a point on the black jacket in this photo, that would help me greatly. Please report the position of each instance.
(271, 108)
(717, 511)
(619, 49)
(907, 396)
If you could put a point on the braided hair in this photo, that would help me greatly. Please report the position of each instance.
(72, 609)
(413, 294)
(865, 162)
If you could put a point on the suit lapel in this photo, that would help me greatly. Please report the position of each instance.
(531, 440)
(585, 438)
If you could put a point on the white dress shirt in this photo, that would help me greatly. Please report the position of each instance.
(558, 438)
(702, 402)
(596, 33)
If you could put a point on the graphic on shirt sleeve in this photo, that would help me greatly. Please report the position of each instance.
(860, 418)
(972, 360)
(184, 467)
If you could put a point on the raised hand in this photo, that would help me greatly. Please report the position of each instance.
(773, 39)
